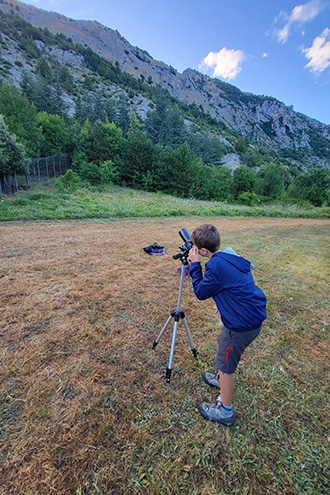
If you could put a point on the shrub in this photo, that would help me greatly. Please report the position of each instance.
(248, 198)
(69, 182)
(108, 172)
(90, 172)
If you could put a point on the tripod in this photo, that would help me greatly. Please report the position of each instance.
(176, 314)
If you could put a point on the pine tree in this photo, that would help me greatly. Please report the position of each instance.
(138, 167)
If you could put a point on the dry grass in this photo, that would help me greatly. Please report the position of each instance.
(84, 405)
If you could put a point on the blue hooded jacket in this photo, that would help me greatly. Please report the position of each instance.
(229, 281)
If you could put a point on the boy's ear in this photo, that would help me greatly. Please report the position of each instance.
(203, 251)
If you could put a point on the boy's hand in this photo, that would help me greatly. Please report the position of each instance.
(217, 312)
(194, 255)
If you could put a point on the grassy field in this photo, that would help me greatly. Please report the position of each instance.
(46, 202)
(85, 408)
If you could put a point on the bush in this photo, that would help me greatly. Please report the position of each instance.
(248, 198)
(90, 172)
(313, 186)
(68, 182)
(108, 172)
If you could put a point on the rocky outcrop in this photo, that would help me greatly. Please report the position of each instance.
(263, 120)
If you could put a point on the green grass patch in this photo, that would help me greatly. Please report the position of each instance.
(45, 202)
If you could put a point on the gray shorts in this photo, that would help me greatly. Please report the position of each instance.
(231, 346)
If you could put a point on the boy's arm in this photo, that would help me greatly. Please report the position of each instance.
(204, 287)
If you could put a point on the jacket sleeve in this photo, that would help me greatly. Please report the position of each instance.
(204, 287)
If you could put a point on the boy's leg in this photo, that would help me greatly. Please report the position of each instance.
(230, 349)
(227, 388)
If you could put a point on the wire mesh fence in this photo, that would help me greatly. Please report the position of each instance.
(38, 170)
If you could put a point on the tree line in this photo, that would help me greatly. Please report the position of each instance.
(110, 143)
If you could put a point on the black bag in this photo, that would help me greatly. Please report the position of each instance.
(155, 249)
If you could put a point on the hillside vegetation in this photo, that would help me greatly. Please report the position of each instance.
(89, 49)
(58, 96)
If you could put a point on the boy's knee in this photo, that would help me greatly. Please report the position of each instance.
(222, 373)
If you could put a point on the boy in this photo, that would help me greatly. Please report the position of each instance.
(241, 305)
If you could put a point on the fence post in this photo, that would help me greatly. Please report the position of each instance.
(47, 173)
(15, 182)
(28, 175)
(38, 166)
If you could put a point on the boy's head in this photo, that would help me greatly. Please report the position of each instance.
(206, 236)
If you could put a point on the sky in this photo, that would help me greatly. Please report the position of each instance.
(278, 48)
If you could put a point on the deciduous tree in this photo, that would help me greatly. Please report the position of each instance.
(21, 117)
(54, 132)
(12, 157)
(243, 180)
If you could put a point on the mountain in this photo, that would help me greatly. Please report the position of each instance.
(262, 120)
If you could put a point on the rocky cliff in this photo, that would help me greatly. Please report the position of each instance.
(263, 120)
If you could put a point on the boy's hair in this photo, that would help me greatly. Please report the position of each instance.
(206, 236)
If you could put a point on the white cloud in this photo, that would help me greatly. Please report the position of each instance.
(305, 13)
(283, 34)
(299, 16)
(319, 53)
(226, 63)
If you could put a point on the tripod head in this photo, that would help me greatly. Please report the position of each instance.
(185, 248)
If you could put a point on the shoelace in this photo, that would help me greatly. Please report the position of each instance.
(216, 405)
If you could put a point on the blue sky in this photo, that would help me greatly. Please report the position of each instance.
(278, 48)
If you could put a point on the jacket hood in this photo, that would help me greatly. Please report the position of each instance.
(242, 264)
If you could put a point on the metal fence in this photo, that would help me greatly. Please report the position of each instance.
(38, 170)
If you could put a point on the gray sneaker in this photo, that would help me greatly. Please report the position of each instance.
(212, 379)
(216, 412)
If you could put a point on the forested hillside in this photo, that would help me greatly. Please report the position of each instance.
(60, 96)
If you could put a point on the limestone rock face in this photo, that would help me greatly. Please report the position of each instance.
(261, 119)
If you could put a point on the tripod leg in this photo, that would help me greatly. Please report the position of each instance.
(170, 361)
(192, 346)
(161, 332)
